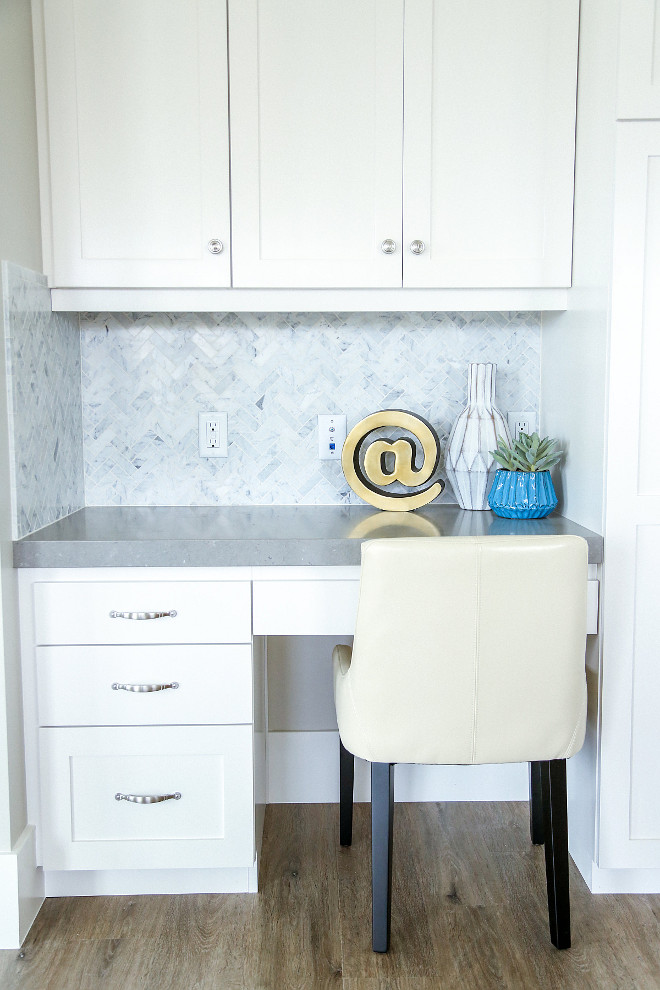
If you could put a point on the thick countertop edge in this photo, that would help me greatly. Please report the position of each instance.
(290, 552)
(188, 553)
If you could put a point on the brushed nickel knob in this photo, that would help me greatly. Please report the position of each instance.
(388, 246)
(417, 247)
(215, 246)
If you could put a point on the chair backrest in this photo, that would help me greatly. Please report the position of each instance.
(470, 650)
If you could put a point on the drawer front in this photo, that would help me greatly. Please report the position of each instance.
(305, 608)
(93, 612)
(85, 826)
(329, 608)
(119, 685)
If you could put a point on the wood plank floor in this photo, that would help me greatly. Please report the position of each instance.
(468, 912)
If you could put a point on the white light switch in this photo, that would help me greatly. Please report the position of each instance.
(213, 434)
(332, 433)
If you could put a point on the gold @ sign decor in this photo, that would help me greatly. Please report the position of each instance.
(368, 473)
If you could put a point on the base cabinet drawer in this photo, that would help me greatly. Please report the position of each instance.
(305, 608)
(144, 685)
(329, 608)
(98, 612)
(147, 798)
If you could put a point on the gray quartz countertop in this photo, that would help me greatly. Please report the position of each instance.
(251, 536)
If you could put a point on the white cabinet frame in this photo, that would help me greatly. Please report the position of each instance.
(639, 60)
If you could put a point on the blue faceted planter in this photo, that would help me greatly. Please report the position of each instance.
(522, 494)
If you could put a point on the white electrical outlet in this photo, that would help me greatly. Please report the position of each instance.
(332, 433)
(212, 433)
(521, 422)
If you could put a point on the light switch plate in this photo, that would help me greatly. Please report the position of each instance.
(332, 433)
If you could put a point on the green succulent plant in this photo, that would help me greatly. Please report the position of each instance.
(527, 453)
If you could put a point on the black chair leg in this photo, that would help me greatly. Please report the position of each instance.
(535, 804)
(346, 775)
(555, 828)
(382, 817)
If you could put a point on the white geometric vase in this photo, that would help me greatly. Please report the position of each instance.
(468, 461)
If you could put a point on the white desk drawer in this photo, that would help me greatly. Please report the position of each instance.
(75, 685)
(329, 608)
(80, 612)
(305, 608)
(85, 827)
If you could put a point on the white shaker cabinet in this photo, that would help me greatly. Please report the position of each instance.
(374, 145)
(134, 141)
(145, 731)
(639, 60)
(630, 743)
(489, 142)
(316, 125)
(475, 99)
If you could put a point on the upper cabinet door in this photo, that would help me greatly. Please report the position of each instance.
(138, 142)
(639, 60)
(490, 92)
(316, 125)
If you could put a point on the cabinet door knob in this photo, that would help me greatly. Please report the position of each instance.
(388, 246)
(215, 246)
(417, 247)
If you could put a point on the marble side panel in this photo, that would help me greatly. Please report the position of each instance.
(44, 402)
(147, 376)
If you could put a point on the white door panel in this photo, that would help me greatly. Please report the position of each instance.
(630, 810)
(489, 142)
(316, 124)
(138, 135)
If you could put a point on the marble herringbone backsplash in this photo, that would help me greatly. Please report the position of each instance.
(44, 402)
(146, 377)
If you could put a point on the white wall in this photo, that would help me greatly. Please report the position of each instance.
(574, 348)
(574, 343)
(20, 241)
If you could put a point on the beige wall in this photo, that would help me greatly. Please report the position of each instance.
(13, 814)
(20, 229)
(20, 242)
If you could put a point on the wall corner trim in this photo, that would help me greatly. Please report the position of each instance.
(21, 890)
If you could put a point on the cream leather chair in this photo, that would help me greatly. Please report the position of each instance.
(467, 650)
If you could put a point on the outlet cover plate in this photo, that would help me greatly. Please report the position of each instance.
(212, 434)
(521, 422)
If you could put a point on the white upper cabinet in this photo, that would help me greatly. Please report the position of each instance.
(387, 145)
(639, 60)
(138, 142)
(489, 142)
(316, 125)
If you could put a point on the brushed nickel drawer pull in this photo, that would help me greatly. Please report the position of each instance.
(145, 688)
(143, 615)
(147, 798)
